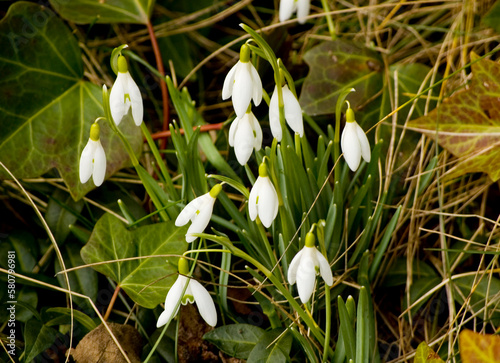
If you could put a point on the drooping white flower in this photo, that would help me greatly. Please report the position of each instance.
(243, 84)
(288, 7)
(195, 292)
(245, 135)
(354, 142)
(293, 113)
(93, 158)
(263, 201)
(305, 266)
(199, 211)
(125, 95)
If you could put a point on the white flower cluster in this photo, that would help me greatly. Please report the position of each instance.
(243, 84)
(124, 96)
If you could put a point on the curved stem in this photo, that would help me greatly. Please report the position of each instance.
(163, 85)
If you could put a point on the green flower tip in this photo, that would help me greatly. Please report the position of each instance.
(214, 192)
(244, 53)
(95, 131)
(183, 266)
(349, 115)
(122, 64)
(263, 170)
(310, 240)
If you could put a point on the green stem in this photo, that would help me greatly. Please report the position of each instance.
(159, 162)
(328, 324)
(329, 19)
(267, 245)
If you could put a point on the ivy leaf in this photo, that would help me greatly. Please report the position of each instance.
(479, 348)
(236, 340)
(147, 280)
(273, 347)
(46, 109)
(425, 354)
(334, 66)
(468, 123)
(110, 11)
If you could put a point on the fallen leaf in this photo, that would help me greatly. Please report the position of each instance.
(479, 348)
(468, 123)
(99, 346)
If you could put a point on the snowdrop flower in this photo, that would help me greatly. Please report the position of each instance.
(245, 135)
(288, 7)
(242, 83)
(199, 211)
(304, 267)
(125, 95)
(263, 201)
(293, 113)
(93, 159)
(195, 292)
(354, 142)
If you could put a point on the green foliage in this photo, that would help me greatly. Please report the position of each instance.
(96, 11)
(273, 346)
(145, 280)
(37, 337)
(236, 340)
(49, 129)
(334, 66)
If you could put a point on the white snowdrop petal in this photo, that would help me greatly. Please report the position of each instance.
(364, 144)
(267, 206)
(227, 88)
(244, 140)
(189, 210)
(204, 303)
(306, 278)
(293, 111)
(99, 165)
(324, 268)
(117, 104)
(256, 85)
(242, 90)
(173, 297)
(257, 130)
(200, 220)
(252, 200)
(136, 101)
(350, 146)
(303, 7)
(286, 9)
(232, 131)
(86, 166)
(274, 116)
(294, 265)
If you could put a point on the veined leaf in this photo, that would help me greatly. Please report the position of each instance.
(334, 66)
(468, 123)
(237, 340)
(109, 11)
(479, 348)
(46, 109)
(274, 346)
(146, 281)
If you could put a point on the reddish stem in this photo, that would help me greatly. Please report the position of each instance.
(163, 85)
(112, 302)
(203, 128)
